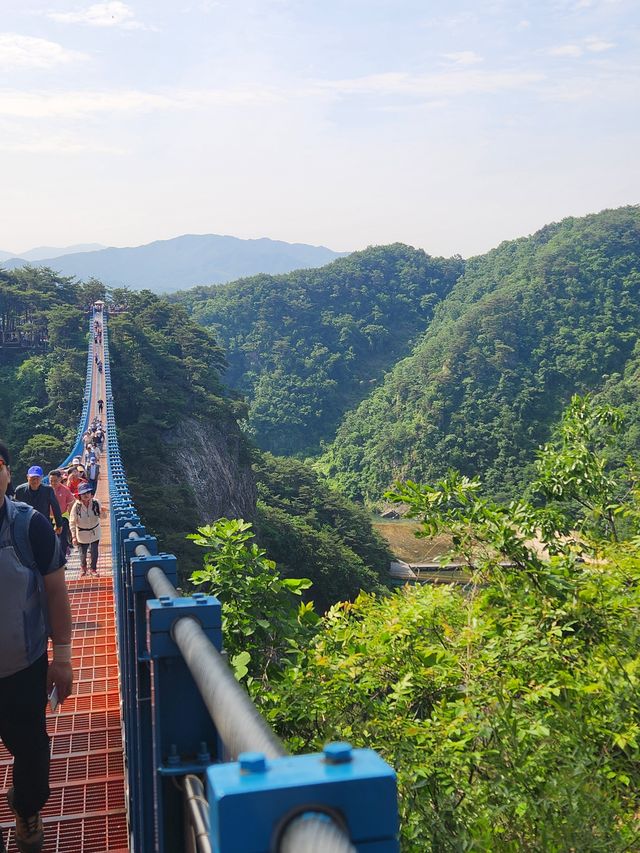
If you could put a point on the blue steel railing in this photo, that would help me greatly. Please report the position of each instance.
(187, 723)
(78, 447)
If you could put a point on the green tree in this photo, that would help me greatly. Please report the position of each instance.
(574, 470)
(310, 529)
(527, 326)
(510, 709)
(44, 450)
(306, 346)
(261, 620)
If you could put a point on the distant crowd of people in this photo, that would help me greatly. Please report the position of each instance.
(75, 488)
(97, 339)
(69, 499)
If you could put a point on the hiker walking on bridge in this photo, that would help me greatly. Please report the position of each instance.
(39, 496)
(65, 498)
(29, 550)
(74, 481)
(84, 520)
(93, 473)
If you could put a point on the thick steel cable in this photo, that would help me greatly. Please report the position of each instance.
(239, 723)
(197, 810)
(314, 833)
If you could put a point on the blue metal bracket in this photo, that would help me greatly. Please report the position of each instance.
(163, 612)
(130, 545)
(141, 565)
(251, 800)
(132, 519)
(124, 532)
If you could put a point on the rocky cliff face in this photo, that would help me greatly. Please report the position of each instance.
(214, 461)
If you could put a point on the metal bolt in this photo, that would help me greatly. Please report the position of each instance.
(173, 757)
(203, 756)
(252, 762)
(338, 753)
(166, 601)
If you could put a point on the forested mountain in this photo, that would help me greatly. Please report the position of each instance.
(187, 461)
(526, 326)
(184, 261)
(306, 347)
(42, 361)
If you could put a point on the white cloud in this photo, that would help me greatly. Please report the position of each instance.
(18, 51)
(570, 50)
(412, 108)
(593, 44)
(439, 85)
(523, 24)
(35, 105)
(112, 14)
(74, 104)
(56, 144)
(598, 45)
(464, 57)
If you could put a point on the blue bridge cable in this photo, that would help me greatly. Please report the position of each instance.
(204, 771)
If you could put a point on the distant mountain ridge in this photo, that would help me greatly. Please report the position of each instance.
(40, 252)
(186, 261)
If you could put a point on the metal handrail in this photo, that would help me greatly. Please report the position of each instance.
(238, 721)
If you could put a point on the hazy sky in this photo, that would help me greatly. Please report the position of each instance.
(447, 125)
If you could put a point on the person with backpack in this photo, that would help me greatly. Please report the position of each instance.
(65, 498)
(93, 472)
(39, 496)
(84, 521)
(34, 604)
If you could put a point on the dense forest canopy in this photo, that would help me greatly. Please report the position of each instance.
(166, 371)
(43, 331)
(306, 347)
(509, 708)
(313, 531)
(525, 327)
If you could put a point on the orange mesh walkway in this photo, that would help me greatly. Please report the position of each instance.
(86, 811)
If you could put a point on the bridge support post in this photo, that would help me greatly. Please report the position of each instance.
(141, 592)
(184, 736)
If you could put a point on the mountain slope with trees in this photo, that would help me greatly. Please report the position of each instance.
(186, 459)
(527, 325)
(188, 463)
(44, 322)
(306, 347)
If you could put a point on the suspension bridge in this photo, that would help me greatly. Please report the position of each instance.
(159, 748)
